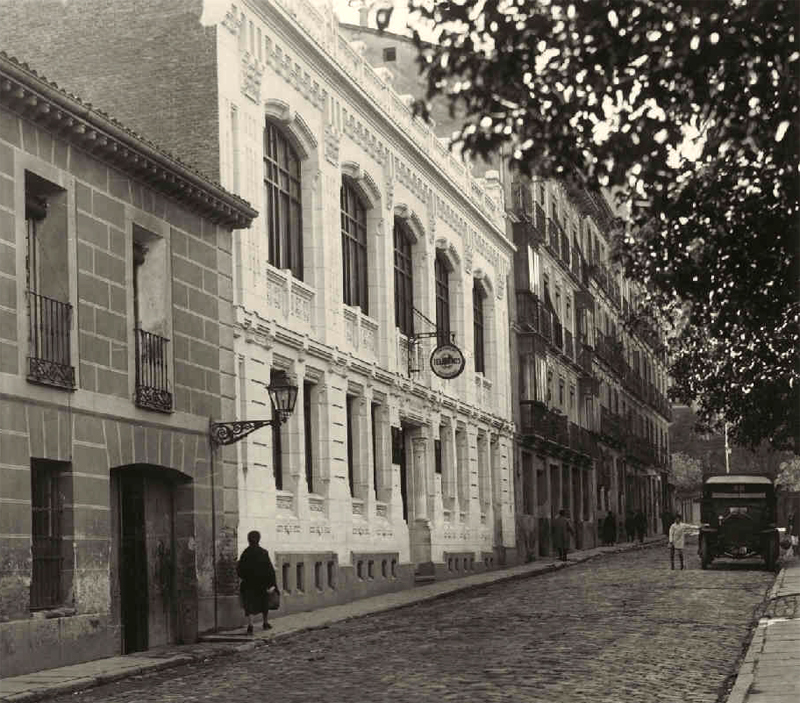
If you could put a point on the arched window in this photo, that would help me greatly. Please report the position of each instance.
(442, 281)
(403, 280)
(354, 247)
(282, 200)
(477, 325)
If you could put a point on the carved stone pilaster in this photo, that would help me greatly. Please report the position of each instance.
(252, 71)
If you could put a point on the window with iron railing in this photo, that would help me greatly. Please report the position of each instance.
(47, 281)
(152, 377)
(46, 534)
(151, 321)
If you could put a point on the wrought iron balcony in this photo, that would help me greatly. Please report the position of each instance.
(537, 419)
(152, 378)
(611, 426)
(558, 335)
(50, 323)
(569, 348)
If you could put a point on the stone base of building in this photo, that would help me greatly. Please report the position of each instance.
(46, 643)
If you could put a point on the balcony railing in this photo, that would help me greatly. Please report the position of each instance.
(50, 322)
(152, 378)
(537, 419)
(569, 349)
(558, 335)
(531, 312)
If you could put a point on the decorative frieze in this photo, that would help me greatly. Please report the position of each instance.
(252, 71)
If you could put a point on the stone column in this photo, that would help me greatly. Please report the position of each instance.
(419, 522)
(462, 470)
(447, 437)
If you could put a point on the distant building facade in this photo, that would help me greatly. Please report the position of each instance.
(373, 246)
(110, 503)
(590, 385)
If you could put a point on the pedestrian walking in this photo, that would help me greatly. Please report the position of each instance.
(561, 530)
(609, 529)
(630, 526)
(640, 523)
(677, 541)
(258, 579)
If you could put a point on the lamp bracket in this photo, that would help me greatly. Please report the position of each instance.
(231, 432)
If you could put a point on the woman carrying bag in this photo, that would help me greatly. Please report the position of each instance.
(258, 589)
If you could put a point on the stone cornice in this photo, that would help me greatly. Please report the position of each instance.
(26, 93)
(331, 66)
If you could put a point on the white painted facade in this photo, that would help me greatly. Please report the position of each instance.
(287, 63)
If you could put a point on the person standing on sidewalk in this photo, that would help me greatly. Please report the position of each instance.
(561, 529)
(640, 523)
(630, 526)
(258, 577)
(677, 541)
(609, 529)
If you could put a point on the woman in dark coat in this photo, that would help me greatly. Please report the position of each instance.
(258, 576)
(561, 530)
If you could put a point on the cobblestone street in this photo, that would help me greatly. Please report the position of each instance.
(622, 628)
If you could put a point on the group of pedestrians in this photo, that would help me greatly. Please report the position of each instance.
(635, 527)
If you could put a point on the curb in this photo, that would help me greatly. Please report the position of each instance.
(746, 671)
(84, 683)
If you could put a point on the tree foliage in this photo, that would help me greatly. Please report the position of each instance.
(687, 474)
(789, 476)
(689, 110)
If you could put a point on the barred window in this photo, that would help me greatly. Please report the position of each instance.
(442, 281)
(478, 296)
(354, 248)
(403, 280)
(283, 203)
(46, 534)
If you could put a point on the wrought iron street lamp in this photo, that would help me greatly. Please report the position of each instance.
(282, 394)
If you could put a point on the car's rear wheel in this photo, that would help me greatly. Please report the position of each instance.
(705, 553)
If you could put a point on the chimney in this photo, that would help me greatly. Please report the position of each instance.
(363, 14)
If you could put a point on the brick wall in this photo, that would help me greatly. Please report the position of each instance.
(126, 59)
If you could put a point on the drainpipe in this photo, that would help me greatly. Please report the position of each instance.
(213, 529)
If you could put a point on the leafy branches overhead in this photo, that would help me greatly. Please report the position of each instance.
(687, 108)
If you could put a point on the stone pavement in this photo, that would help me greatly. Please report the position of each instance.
(770, 672)
(53, 682)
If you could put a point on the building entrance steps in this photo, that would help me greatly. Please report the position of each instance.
(49, 683)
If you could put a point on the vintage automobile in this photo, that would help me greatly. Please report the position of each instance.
(738, 515)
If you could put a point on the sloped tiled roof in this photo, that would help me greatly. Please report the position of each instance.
(45, 103)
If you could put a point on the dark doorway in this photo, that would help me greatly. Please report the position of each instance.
(399, 458)
(133, 564)
(146, 559)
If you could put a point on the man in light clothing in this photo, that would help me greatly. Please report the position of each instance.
(677, 541)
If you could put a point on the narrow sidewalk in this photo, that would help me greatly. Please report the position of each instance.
(49, 683)
(770, 672)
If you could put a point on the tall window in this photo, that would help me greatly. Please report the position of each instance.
(309, 443)
(375, 409)
(354, 248)
(46, 534)
(477, 324)
(282, 199)
(351, 468)
(47, 279)
(403, 280)
(277, 449)
(442, 280)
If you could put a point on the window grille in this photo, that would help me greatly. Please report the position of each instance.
(46, 509)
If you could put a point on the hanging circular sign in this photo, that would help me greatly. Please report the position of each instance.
(447, 361)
